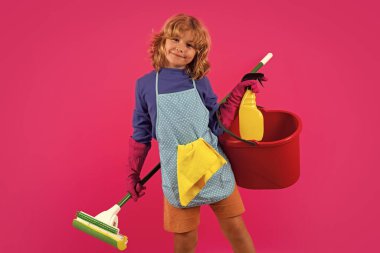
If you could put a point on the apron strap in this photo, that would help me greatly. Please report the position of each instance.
(156, 85)
(195, 87)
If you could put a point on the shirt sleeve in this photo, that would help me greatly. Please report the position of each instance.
(142, 125)
(211, 103)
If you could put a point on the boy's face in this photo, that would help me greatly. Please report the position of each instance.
(179, 50)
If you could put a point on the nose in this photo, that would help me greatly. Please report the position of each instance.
(179, 50)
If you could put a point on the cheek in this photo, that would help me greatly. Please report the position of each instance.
(167, 46)
(166, 49)
(193, 56)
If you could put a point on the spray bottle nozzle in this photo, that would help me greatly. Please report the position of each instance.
(253, 76)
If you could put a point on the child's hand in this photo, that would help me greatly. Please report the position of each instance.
(251, 80)
(255, 76)
(248, 83)
(135, 188)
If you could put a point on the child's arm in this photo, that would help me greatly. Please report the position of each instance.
(139, 145)
(211, 102)
(142, 124)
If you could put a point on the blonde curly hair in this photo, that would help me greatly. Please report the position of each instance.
(173, 27)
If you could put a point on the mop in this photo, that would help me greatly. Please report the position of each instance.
(104, 226)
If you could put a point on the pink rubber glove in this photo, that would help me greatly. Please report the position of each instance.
(229, 109)
(137, 154)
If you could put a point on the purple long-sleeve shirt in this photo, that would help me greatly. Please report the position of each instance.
(169, 80)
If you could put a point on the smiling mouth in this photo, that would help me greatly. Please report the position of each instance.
(178, 55)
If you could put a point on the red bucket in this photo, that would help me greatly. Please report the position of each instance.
(272, 163)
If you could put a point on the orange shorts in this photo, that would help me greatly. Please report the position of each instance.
(181, 220)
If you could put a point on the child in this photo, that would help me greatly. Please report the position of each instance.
(176, 105)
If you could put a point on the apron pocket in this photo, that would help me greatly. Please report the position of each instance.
(197, 162)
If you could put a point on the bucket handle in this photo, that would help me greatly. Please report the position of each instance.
(252, 143)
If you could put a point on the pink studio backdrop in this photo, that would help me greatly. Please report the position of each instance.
(68, 71)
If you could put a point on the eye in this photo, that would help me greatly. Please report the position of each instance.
(175, 39)
(189, 45)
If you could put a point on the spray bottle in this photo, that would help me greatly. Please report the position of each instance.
(251, 120)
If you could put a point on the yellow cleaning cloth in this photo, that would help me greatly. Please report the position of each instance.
(196, 163)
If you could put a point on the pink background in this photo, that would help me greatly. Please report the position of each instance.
(68, 71)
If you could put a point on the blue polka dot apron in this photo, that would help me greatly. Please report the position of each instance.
(182, 126)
